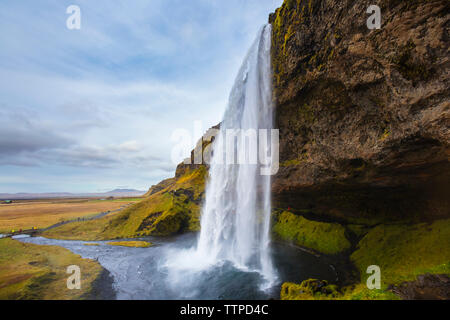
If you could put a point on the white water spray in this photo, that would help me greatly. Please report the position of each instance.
(235, 220)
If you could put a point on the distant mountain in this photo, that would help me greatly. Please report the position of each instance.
(52, 195)
(123, 191)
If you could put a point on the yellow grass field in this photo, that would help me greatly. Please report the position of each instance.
(30, 271)
(26, 214)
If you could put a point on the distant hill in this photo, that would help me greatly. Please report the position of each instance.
(52, 195)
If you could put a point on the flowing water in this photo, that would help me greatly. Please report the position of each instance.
(142, 273)
(236, 215)
(231, 258)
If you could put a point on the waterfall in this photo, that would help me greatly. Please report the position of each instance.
(235, 219)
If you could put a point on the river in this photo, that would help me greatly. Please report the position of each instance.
(144, 273)
(232, 257)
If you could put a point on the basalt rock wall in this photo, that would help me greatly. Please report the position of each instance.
(363, 114)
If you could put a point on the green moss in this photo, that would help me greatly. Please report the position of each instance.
(131, 244)
(162, 214)
(291, 18)
(361, 292)
(295, 162)
(328, 238)
(307, 113)
(290, 33)
(405, 251)
(331, 55)
(313, 59)
(311, 289)
(385, 134)
(357, 229)
(290, 4)
(290, 163)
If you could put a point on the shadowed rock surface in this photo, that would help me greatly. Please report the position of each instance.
(364, 141)
(363, 114)
(364, 151)
(426, 287)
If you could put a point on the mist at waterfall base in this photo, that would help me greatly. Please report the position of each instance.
(235, 217)
(231, 258)
(143, 274)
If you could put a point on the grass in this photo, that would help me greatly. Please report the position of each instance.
(83, 230)
(405, 251)
(30, 271)
(361, 292)
(169, 211)
(328, 238)
(132, 244)
(128, 200)
(402, 251)
(308, 290)
(124, 224)
(41, 214)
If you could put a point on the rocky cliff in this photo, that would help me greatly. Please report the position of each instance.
(364, 137)
(364, 150)
(363, 114)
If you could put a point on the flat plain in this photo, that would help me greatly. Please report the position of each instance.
(25, 214)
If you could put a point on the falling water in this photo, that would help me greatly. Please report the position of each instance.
(232, 252)
(236, 215)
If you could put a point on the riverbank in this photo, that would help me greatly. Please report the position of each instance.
(414, 249)
(413, 258)
(38, 272)
(171, 269)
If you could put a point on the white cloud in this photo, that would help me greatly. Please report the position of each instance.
(108, 97)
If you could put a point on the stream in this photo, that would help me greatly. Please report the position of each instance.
(232, 257)
(145, 274)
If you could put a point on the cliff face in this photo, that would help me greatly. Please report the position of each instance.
(364, 142)
(363, 114)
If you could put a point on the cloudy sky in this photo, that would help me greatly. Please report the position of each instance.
(94, 109)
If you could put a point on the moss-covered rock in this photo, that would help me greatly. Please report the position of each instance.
(328, 238)
(361, 292)
(358, 230)
(310, 289)
(367, 107)
(172, 210)
(405, 251)
(363, 135)
(313, 289)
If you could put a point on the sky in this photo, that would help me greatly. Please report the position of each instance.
(94, 109)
